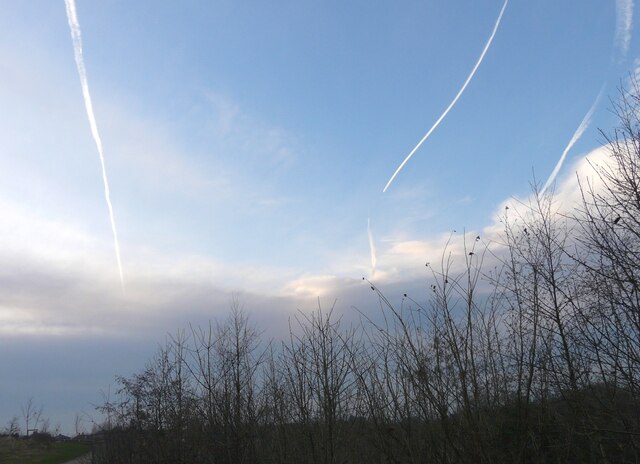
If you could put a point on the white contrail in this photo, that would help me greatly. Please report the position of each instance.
(584, 124)
(462, 89)
(624, 23)
(74, 26)
(372, 249)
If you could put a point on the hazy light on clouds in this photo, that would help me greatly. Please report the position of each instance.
(46, 296)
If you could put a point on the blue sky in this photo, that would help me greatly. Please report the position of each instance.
(247, 145)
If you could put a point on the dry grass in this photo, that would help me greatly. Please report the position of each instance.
(21, 451)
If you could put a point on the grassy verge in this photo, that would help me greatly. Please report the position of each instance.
(27, 452)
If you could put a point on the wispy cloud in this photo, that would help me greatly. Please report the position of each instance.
(259, 141)
(624, 23)
(76, 37)
(584, 124)
(455, 100)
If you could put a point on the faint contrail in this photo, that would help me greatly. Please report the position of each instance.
(372, 249)
(74, 26)
(584, 124)
(464, 86)
(624, 23)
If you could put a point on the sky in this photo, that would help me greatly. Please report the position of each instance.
(246, 146)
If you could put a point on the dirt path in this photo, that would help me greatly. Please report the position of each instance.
(85, 459)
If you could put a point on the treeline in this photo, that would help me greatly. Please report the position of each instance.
(534, 358)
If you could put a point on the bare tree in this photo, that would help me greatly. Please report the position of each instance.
(609, 220)
(13, 426)
(31, 415)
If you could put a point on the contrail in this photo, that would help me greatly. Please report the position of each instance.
(464, 86)
(74, 26)
(584, 124)
(372, 248)
(624, 23)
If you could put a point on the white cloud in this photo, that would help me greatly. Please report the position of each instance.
(314, 286)
(403, 259)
